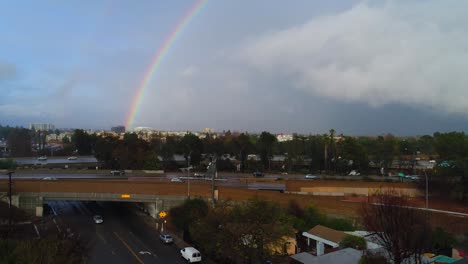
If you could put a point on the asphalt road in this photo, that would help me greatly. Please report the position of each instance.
(122, 238)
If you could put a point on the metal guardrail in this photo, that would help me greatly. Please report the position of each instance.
(103, 196)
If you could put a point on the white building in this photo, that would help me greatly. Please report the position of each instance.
(284, 137)
(41, 127)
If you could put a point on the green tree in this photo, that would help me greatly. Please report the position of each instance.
(243, 145)
(191, 211)
(192, 148)
(266, 146)
(258, 230)
(353, 153)
(19, 142)
(84, 143)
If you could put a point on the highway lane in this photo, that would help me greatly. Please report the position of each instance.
(122, 238)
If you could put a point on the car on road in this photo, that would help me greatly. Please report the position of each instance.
(166, 238)
(190, 254)
(310, 177)
(49, 179)
(98, 219)
(117, 172)
(175, 179)
(354, 173)
(412, 177)
(72, 158)
(258, 174)
(198, 174)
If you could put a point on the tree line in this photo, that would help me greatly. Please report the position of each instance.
(323, 153)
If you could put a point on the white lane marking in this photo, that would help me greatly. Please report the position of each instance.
(37, 231)
(58, 228)
(102, 238)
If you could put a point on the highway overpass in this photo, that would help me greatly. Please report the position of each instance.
(30, 195)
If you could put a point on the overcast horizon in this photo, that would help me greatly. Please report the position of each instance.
(359, 67)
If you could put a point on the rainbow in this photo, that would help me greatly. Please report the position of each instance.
(156, 62)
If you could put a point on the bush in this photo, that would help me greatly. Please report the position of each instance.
(341, 224)
(7, 164)
(355, 242)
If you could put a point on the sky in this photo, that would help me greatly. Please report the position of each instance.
(306, 66)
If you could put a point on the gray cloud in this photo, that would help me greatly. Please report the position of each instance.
(411, 53)
(7, 71)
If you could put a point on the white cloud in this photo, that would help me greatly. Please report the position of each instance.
(190, 71)
(406, 52)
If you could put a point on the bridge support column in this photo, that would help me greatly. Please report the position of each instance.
(31, 204)
(155, 207)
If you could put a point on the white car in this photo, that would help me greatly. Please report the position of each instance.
(72, 158)
(190, 254)
(354, 173)
(310, 177)
(98, 219)
(166, 238)
(49, 179)
(176, 180)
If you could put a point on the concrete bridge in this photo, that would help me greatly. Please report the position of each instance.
(30, 195)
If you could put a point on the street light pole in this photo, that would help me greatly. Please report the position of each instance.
(9, 202)
(188, 175)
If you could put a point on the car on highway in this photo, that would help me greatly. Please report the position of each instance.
(175, 179)
(198, 174)
(117, 172)
(412, 177)
(166, 238)
(72, 158)
(49, 179)
(98, 219)
(310, 177)
(258, 174)
(191, 254)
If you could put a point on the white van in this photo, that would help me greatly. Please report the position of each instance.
(190, 254)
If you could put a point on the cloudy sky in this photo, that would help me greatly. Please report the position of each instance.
(360, 67)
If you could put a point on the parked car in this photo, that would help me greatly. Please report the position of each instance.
(310, 177)
(166, 238)
(190, 254)
(354, 173)
(98, 219)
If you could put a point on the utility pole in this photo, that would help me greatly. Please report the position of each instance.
(214, 173)
(427, 191)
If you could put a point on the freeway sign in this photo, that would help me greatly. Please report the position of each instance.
(162, 214)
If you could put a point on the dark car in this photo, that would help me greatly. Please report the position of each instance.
(258, 174)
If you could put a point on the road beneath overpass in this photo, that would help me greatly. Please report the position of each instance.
(123, 237)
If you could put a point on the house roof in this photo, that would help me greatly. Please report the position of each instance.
(304, 257)
(343, 256)
(327, 233)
